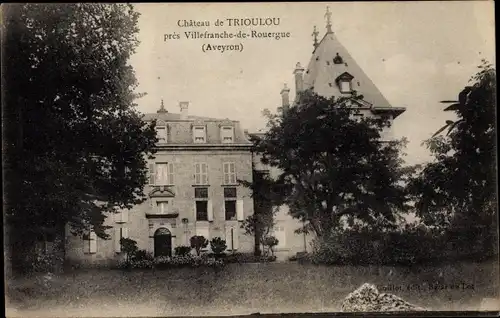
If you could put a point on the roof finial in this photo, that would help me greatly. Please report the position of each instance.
(162, 108)
(328, 16)
(315, 35)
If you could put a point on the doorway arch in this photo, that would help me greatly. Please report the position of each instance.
(162, 242)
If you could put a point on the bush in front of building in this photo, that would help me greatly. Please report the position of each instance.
(414, 244)
(218, 246)
(143, 255)
(248, 258)
(129, 247)
(198, 242)
(270, 242)
(182, 250)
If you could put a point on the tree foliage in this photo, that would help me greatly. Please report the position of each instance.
(266, 198)
(76, 146)
(333, 165)
(458, 188)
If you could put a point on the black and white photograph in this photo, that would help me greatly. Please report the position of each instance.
(250, 159)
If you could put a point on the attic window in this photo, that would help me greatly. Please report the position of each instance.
(317, 58)
(227, 134)
(345, 86)
(338, 59)
(344, 82)
(161, 133)
(199, 134)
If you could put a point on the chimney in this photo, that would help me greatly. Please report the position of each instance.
(184, 109)
(285, 98)
(299, 81)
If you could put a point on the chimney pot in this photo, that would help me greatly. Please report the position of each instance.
(184, 109)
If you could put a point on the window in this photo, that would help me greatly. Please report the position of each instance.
(162, 207)
(203, 206)
(345, 87)
(227, 134)
(119, 234)
(200, 173)
(161, 174)
(232, 238)
(90, 243)
(121, 217)
(230, 203)
(161, 134)
(199, 134)
(229, 173)
(280, 234)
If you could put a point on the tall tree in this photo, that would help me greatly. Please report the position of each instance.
(333, 165)
(266, 200)
(458, 188)
(76, 146)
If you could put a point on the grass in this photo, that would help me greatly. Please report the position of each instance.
(248, 288)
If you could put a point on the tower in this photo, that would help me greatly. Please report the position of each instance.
(332, 71)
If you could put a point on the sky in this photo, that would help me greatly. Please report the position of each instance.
(416, 53)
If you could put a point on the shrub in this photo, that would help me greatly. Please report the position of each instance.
(270, 242)
(142, 255)
(248, 258)
(218, 246)
(411, 245)
(198, 242)
(182, 250)
(129, 247)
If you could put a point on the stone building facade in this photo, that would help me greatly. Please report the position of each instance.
(193, 190)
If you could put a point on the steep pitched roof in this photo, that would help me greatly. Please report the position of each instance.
(322, 72)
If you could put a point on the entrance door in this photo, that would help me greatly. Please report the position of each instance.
(163, 242)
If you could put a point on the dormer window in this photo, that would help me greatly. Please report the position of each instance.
(344, 82)
(199, 134)
(161, 134)
(227, 134)
(345, 87)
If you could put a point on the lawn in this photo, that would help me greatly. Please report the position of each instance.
(247, 288)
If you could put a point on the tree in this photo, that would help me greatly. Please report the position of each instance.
(266, 197)
(458, 189)
(76, 146)
(332, 165)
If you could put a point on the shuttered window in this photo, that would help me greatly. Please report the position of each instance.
(200, 173)
(161, 174)
(229, 173)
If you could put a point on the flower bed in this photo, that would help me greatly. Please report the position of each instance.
(165, 262)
